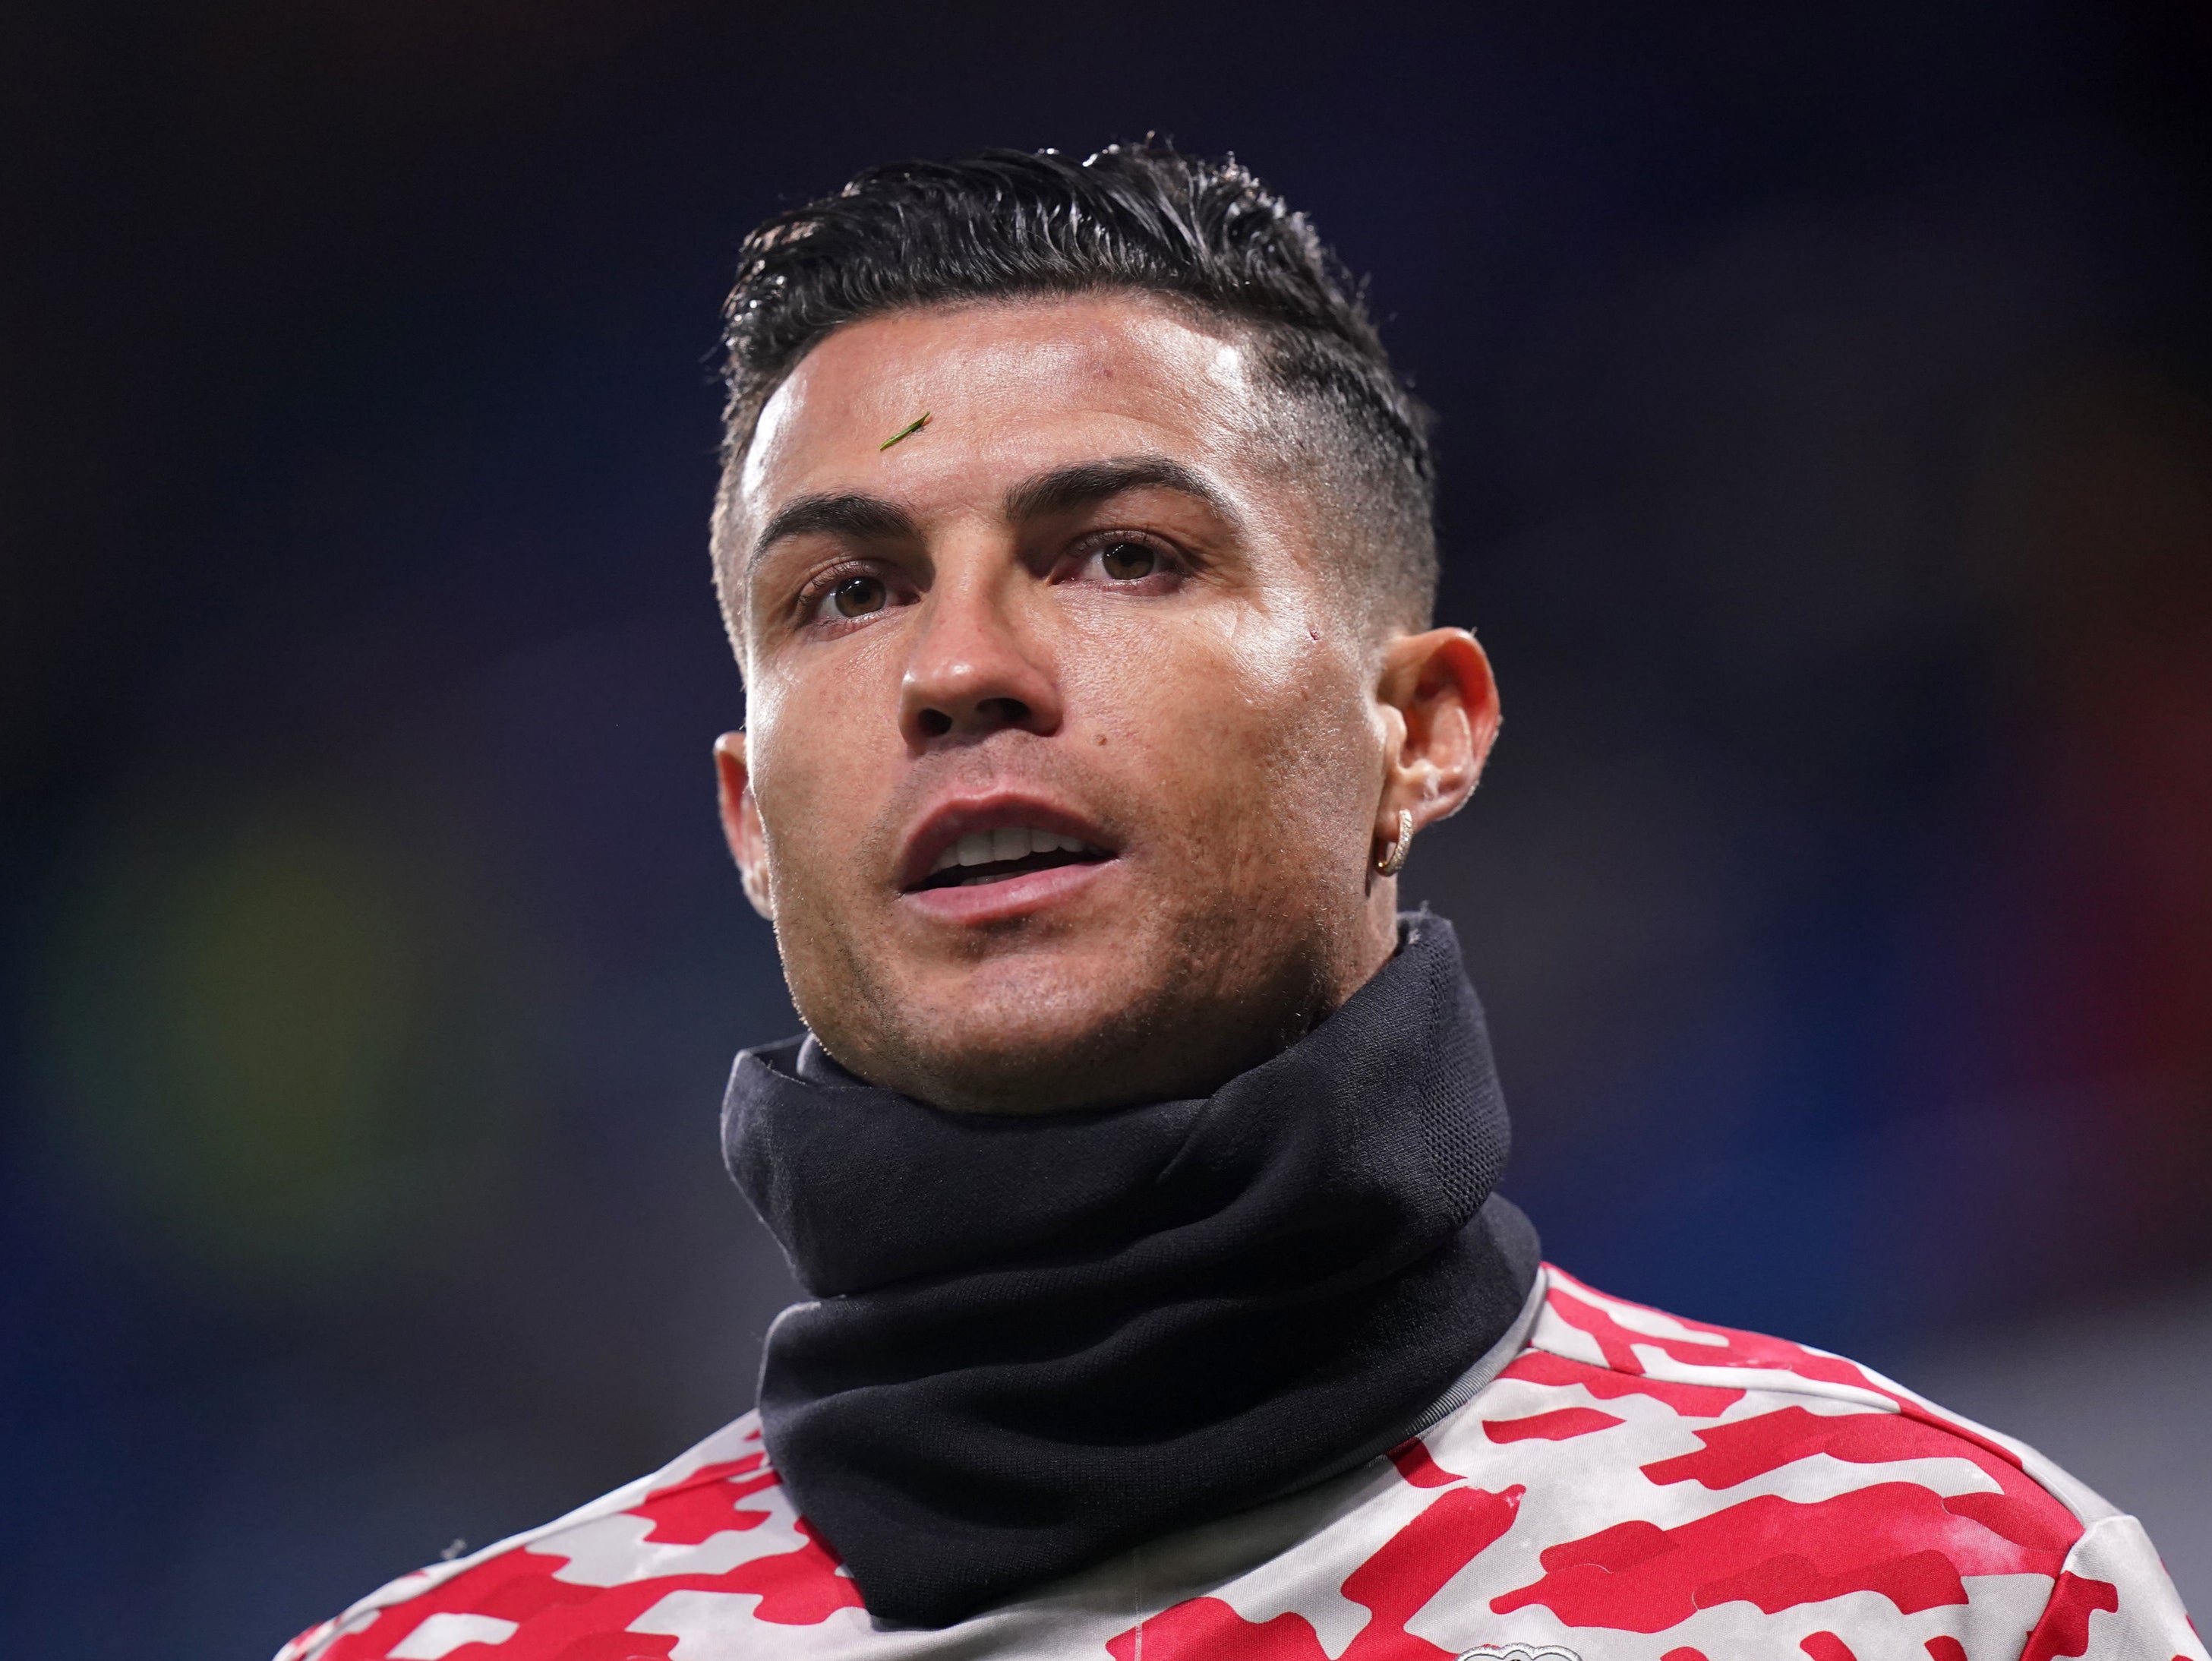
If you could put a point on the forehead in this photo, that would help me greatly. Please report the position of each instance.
(1010, 389)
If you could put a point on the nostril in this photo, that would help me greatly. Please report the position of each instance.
(935, 723)
(1006, 712)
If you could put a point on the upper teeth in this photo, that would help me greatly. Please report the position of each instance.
(1011, 842)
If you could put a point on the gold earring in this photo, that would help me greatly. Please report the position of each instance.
(1391, 860)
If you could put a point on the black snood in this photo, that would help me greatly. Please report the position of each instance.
(1037, 1341)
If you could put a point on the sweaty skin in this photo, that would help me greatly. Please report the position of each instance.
(1092, 596)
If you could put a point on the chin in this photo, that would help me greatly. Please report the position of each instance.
(1019, 1055)
(1097, 1014)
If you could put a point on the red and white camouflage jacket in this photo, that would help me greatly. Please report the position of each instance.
(1621, 1486)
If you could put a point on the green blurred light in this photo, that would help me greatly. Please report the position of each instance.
(265, 1028)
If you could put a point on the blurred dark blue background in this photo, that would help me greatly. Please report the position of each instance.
(1828, 465)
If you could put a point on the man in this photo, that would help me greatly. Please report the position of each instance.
(1074, 540)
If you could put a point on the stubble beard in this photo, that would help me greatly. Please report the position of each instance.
(1174, 1007)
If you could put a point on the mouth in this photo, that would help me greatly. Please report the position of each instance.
(985, 861)
(979, 858)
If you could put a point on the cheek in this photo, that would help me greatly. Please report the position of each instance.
(814, 779)
(1245, 726)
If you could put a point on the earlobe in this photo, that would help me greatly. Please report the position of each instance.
(741, 822)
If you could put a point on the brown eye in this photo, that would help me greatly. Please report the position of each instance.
(1125, 561)
(855, 597)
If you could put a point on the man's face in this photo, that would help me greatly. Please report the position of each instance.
(1063, 762)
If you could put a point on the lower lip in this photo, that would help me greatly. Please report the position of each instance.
(1009, 897)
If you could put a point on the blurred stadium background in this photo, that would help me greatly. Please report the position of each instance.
(1828, 465)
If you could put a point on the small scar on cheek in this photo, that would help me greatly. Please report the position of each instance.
(1102, 738)
(906, 431)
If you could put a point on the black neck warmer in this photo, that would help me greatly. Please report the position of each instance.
(1040, 1340)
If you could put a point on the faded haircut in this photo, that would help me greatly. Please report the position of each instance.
(1008, 224)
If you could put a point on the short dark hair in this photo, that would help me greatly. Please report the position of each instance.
(1007, 224)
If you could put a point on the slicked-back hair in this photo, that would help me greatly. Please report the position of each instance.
(1009, 224)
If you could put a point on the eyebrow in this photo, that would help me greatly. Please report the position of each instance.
(846, 513)
(1085, 484)
(864, 517)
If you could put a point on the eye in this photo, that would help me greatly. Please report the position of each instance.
(1127, 561)
(856, 597)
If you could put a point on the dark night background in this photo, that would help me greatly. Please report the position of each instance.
(1828, 467)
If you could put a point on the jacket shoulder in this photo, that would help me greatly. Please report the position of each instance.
(1675, 1474)
(1705, 1370)
(714, 1521)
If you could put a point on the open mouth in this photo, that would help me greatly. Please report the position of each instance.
(1011, 850)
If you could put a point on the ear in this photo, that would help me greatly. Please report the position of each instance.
(741, 821)
(1440, 703)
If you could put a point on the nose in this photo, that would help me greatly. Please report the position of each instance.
(975, 669)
